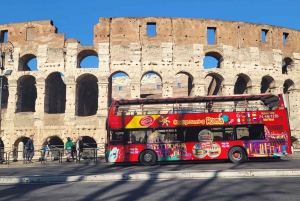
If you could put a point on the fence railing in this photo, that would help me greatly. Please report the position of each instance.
(90, 151)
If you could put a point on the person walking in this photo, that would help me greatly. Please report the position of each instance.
(48, 148)
(79, 148)
(69, 145)
(30, 149)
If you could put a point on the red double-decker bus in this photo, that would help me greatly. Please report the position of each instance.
(235, 127)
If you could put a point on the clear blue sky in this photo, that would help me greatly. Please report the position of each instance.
(76, 18)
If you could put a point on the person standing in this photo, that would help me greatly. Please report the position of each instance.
(48, 148)
(1, 150)
(79, 148)
(69, 145)
(30, 149)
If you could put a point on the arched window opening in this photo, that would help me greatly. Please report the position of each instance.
(182, 85)
(88, 59)
(286, 65)
(149, 83)
(56, 142)
(87, 95)
(90, 62)
(55, 94)
(212, 60)
(288, 87)
(27, 94)
(32, 64)
(28, 62)
(89, 142)
(267, 85)
(19, 147)
(5, 92)
(120, 80)
(241, 86)
(212, 85)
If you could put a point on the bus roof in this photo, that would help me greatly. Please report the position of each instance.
(266, 98)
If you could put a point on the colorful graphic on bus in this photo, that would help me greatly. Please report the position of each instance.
(233, 127)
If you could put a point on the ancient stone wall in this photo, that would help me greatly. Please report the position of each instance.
(248, 63)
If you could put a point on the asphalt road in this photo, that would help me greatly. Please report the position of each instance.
(83, 169)
(249, 189)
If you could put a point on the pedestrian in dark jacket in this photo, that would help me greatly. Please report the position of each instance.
(30, 149)
(1, 150)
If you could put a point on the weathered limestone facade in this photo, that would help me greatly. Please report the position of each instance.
(82, 95)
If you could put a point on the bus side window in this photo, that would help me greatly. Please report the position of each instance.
(229, 136)
(242, 133)
(256, 132)
(117, 137)
(180, 136)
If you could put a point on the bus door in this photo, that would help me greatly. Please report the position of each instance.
(115, 151)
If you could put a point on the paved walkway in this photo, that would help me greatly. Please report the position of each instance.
(87, 170)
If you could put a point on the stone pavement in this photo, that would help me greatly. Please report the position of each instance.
(87, 170)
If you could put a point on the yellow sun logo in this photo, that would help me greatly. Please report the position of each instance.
(164, 121)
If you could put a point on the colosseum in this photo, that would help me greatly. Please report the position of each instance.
(61, 99)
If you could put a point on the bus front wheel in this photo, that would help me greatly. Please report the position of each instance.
(237, 155)
(148, 158)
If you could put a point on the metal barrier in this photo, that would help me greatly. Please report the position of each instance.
(24, 155)
(90, 149)
(52, 151)
(2, 157)
(85, 150)
(94, 153)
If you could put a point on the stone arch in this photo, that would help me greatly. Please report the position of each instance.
(86, 95)
(83, 54)
(216, 54)
(183, 84)
(116, 80)
(242, 84)
(55, 141)
(213, 84)
(288, 86)
(288, 89)
(151, 85)
(55, 94)
(286, 65)
(267, 84)
(23, 62)
(18, 151)
(5, 92)
(27, 94)
(89, 142)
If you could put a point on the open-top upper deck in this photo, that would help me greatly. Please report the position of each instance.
(197, 104)
(266, 98)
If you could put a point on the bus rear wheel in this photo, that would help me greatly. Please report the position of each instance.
(237, 155)
(148, 158)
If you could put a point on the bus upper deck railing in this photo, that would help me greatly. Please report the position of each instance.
(134, 110)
